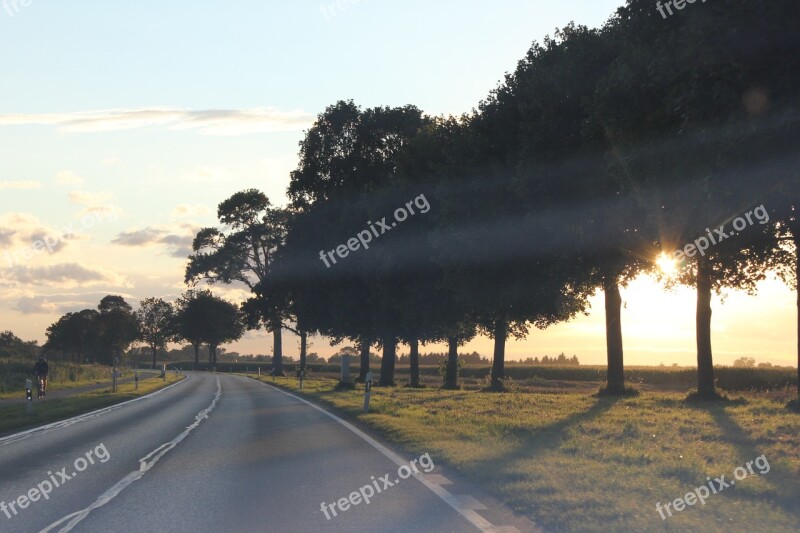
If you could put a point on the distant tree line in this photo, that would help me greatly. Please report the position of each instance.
(560, 360)
(104, 335)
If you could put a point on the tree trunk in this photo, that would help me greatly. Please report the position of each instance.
(499, 360)
(451, 371)
(303, 350)
(388, 361)
(796, 238)
(277, 350)
(616, 369)
(413, 360)
(364, 356)
(196, 353)
(155, 353)
(705, 362)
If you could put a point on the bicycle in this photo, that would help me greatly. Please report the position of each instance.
(41, 386)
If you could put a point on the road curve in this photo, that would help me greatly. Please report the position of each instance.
(213, 453)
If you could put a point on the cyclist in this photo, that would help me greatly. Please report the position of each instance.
(41, 370)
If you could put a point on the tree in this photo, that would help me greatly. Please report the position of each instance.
(244, 255)
(745, 362)
(224, 323)
(157, 324)
(75, 334)
(117, 327)
(191, 320)
(11, 345)
(688, 148)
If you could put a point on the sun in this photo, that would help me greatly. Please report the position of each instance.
(667, 264)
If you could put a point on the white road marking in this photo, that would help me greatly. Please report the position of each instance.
(41, 430)
(145, 463)
(473, 517)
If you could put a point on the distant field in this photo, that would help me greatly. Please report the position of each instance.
(573, 462)
(537, 376)
(14, 372)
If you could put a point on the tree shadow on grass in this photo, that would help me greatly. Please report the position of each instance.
(786, 488)
(540, 440)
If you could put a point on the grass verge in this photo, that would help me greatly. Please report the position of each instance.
(15, 418)
(574, 462)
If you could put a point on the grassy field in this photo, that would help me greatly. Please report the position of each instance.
(15, 417)
(678, 378)
(574, 462)
(63, 375)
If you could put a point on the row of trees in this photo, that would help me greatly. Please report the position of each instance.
(13, 346)
(604, 150)
(105, 334)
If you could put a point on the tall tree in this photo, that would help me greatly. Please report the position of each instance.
(243, 254)
(224, 323)
(190, 319)
(685, 148)
(157, 324)
(117, 327)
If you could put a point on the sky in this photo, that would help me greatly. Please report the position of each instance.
(124, 124)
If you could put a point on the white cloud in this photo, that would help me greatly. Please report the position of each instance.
(89, 198)
(19, 185)
(185, 210)
(177, 238)
(63, 274)
(59, 303)
(22, 234)
(109, 212)
(206, 122)
(67, 177)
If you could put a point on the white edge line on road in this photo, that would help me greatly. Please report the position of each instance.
(145, 464)
(22, 435)
(473, 517)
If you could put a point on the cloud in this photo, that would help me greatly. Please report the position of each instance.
(89, 198)
(140, 237)
(23, 234)
(60, 303)
(19, 185)
(206, 122)
(177, 240)
(6, 237)
(185, 210)
(109, 212)
(62, 274)
(67, 177)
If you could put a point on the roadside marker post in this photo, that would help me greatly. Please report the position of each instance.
(136, 380)
(345, 369)
(164, 372)
(367, 391)
(29, 396)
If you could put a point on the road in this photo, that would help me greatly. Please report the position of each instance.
(215, 453)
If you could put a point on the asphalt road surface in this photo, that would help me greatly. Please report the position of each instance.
(214, 453)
